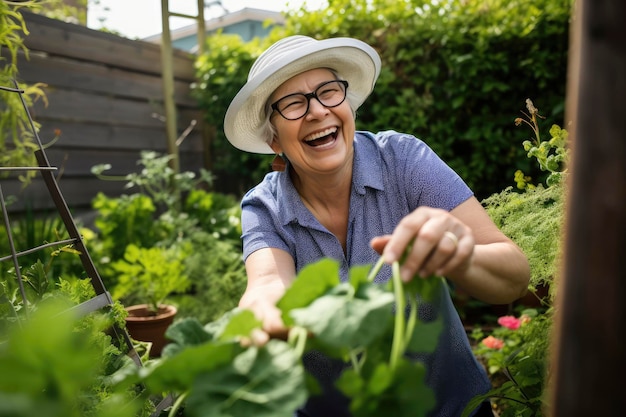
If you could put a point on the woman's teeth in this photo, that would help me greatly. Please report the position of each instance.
(322, 137)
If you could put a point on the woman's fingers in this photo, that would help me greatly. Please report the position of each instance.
(379, 242)
(435, 241)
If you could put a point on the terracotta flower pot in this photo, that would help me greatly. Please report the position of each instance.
(145, 326)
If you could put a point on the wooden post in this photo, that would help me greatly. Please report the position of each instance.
(590, 339)
(168, 86)
(201, 27)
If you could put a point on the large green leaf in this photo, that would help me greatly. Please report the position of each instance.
(345, 318)
(399, 393)
(312, 282)
(260, 382)
(178, 372)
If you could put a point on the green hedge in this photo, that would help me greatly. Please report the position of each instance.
(455, 73)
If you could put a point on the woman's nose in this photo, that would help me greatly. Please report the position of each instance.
(316, 109)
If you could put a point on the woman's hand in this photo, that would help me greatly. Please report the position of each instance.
(438, 243)
(269, 272)
(484, 262)
(267, 312)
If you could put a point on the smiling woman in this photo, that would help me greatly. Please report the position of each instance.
(351, 196)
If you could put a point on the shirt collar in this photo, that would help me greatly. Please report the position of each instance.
(366, 172)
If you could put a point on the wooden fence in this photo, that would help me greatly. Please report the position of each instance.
(105, 96)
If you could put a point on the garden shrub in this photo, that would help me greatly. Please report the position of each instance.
(168, 213)
(449, 70)
(516, 351)
(217, 276)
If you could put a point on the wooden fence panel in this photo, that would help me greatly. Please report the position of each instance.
(105, 96)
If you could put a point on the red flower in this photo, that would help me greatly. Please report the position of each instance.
(493, 342)
(509, 322)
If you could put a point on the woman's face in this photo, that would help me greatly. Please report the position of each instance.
(321, 141)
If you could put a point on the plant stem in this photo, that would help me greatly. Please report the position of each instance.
(375, 269)
(297, 338)
(398, 343)
(179, 401)
(412, 321)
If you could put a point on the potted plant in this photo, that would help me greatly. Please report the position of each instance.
(146, 277)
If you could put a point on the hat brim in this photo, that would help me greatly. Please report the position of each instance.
(353, 60)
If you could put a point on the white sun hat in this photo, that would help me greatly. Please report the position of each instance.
(352, 60)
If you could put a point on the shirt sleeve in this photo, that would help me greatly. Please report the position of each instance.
(259, 222)
(425, 177)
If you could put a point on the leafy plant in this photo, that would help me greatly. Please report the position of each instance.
(57, 364)
(158, 180)
(16, 135)
(516, 352)
(167, 211)
(352, 321)
(534, 217)
(216, 274)
(150, 275)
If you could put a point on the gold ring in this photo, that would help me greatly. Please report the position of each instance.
(452, 237)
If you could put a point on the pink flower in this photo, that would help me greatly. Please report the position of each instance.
(493, 342)
(509, 322)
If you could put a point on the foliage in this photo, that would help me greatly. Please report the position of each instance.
(448, 72)
(217, 276)
(16, 135)
(534, 218)
(221, 71)
(125, 220)
(158, 180)
(169, 215)
(150, 275)
(55, 363)
(223, 369)
(516, 352)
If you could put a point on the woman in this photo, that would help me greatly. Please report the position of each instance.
(352, 196)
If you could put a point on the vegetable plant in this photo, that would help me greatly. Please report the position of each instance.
(150, 275)
(217, 370)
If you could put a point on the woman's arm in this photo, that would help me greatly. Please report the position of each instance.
(481, 260)
(270, 271)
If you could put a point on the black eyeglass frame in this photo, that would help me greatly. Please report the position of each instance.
(311, 95)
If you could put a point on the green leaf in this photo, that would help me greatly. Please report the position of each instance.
(425, 336)
(426, 288)
(177, 372)
(241, 324)
(342, 319)
(313, 281)
(260, 382)
(187, 332)
(358, 275)
(407, 395)
(381, 379)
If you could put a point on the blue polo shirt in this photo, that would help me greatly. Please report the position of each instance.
(393, 174)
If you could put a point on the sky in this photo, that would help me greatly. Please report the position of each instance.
(142, 18)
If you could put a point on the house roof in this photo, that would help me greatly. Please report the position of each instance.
(211, 25)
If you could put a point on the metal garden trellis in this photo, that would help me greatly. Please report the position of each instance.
(102, 298)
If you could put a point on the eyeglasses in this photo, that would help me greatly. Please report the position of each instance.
(296, 106)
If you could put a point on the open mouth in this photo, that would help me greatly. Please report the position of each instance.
(322, 138)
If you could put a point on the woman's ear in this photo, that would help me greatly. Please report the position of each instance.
(276, 146)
